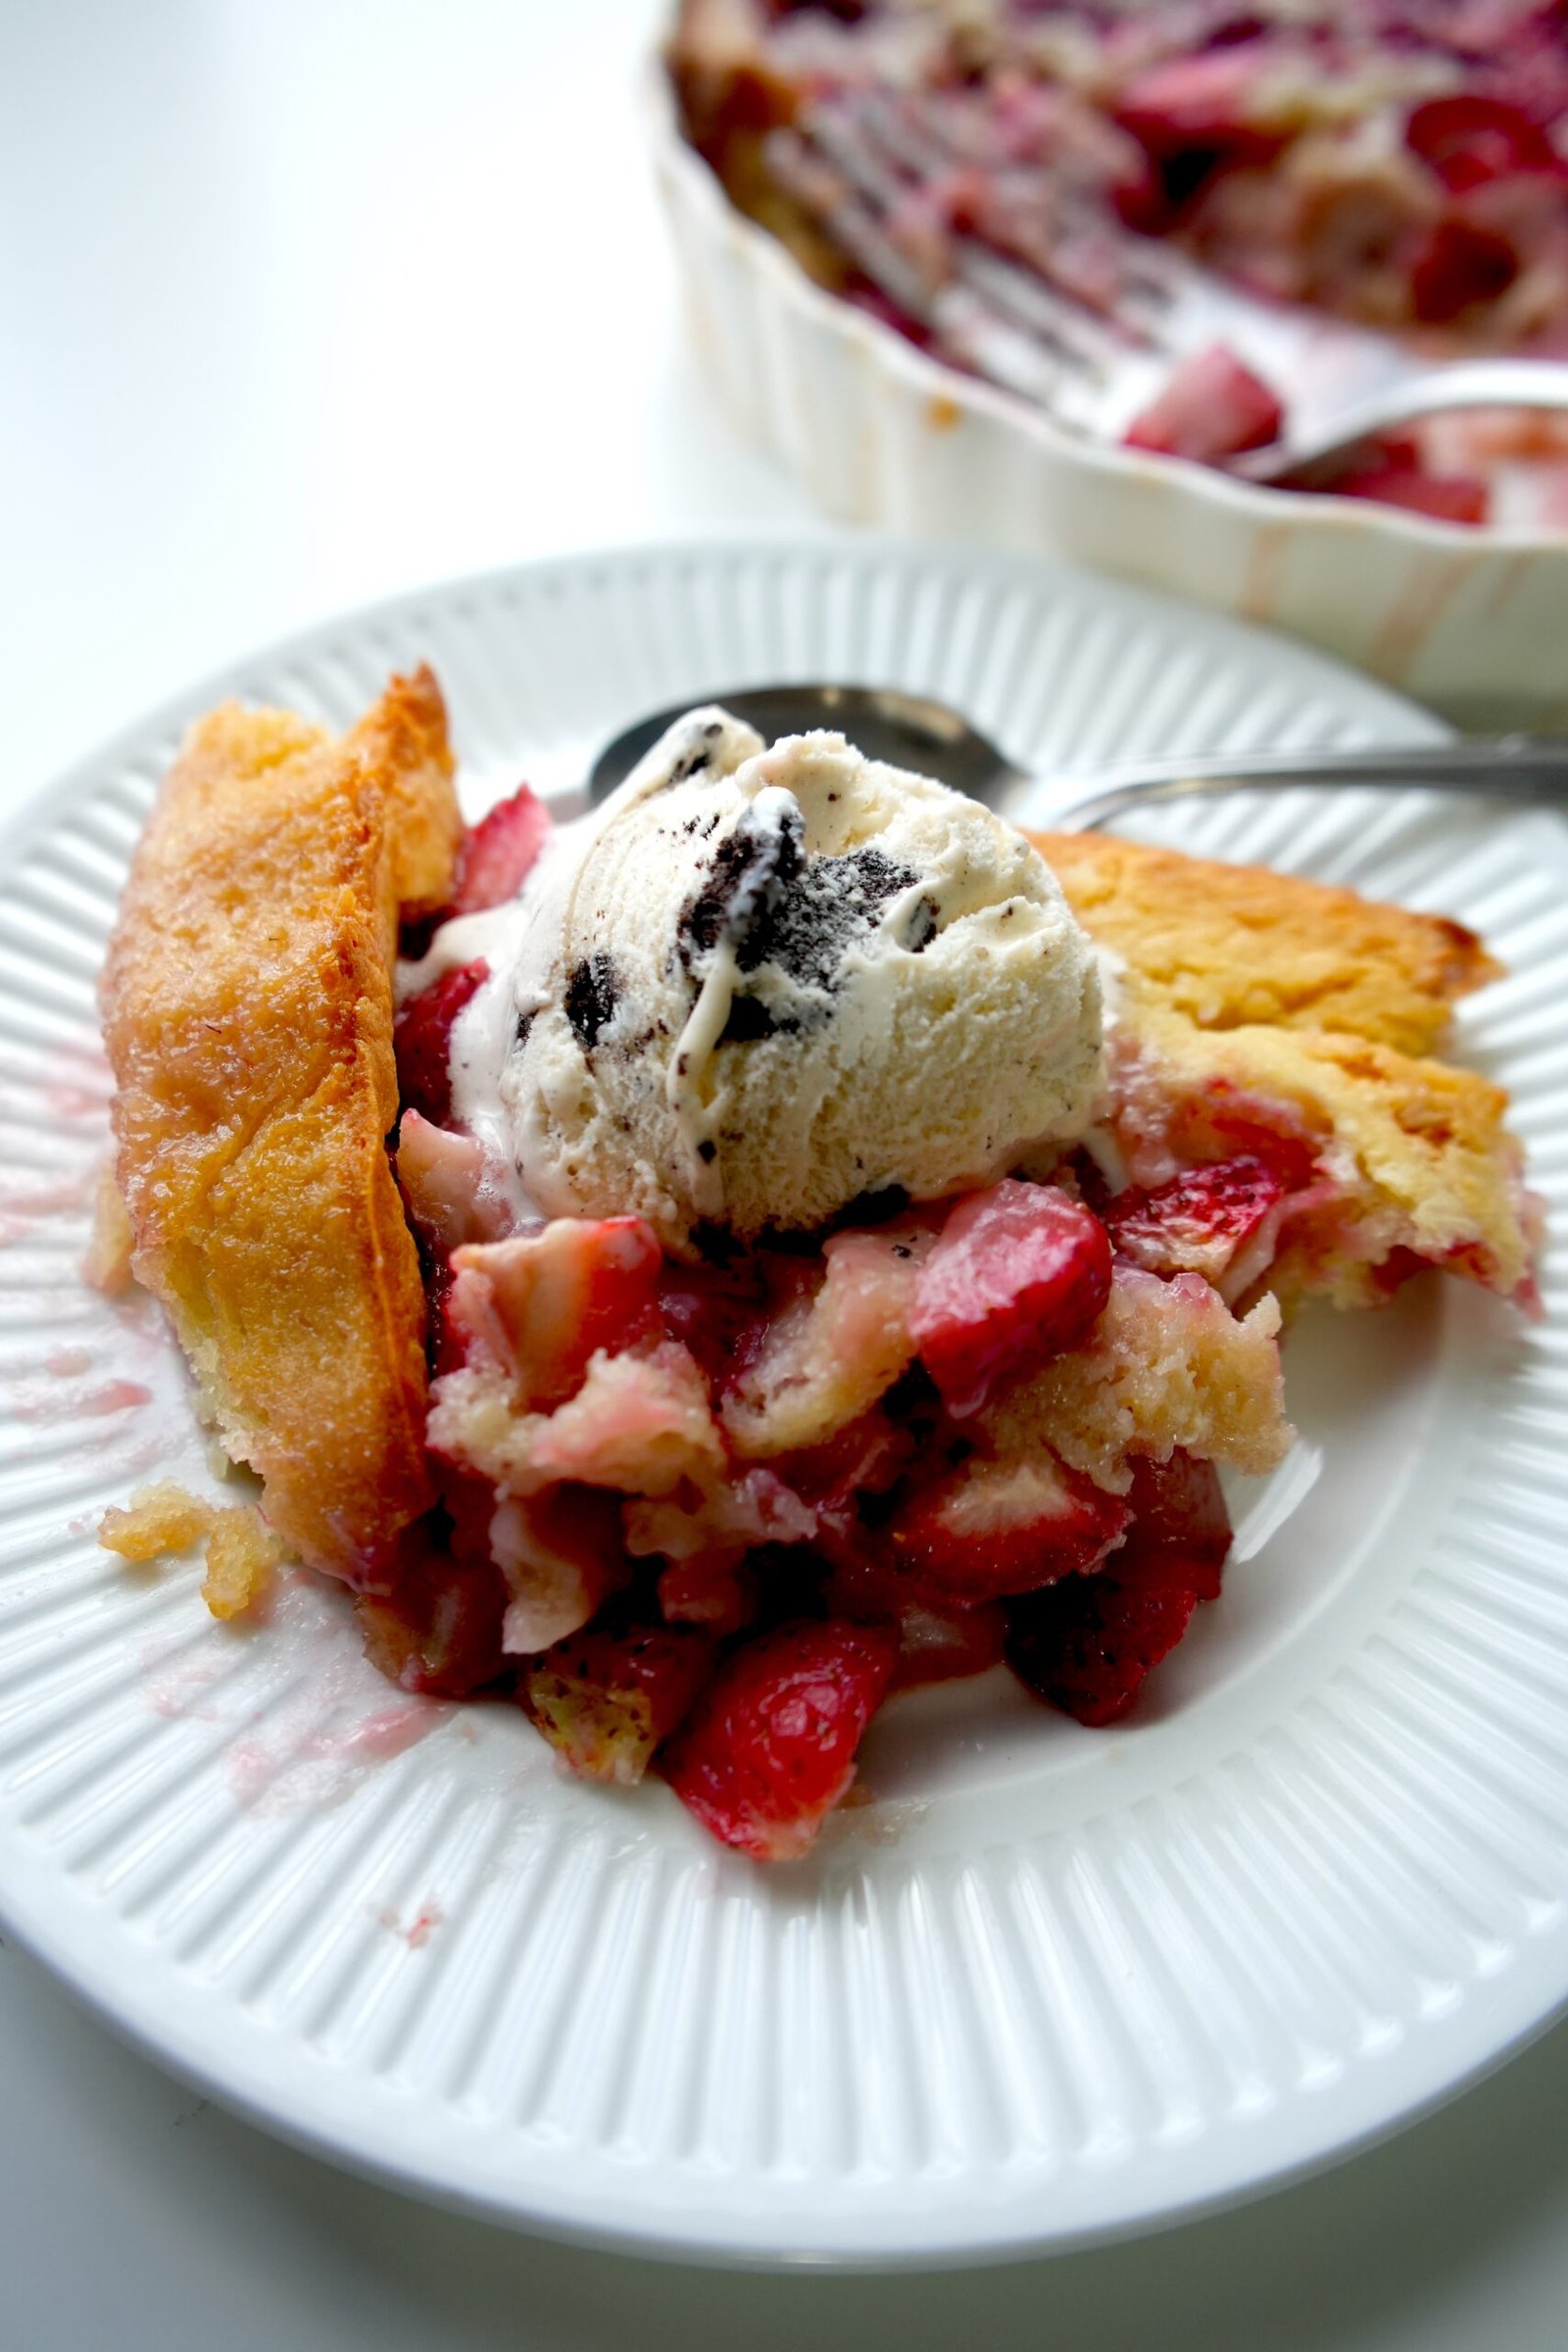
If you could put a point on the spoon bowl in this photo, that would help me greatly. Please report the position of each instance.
(919, 732)
(908, 731)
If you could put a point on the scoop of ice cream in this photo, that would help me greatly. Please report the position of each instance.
(762, 983)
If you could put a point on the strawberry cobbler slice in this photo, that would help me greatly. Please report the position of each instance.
(708, 1498)
(824, 1250)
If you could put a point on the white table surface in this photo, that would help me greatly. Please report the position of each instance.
(301, 305)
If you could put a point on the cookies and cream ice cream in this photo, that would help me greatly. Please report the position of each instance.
(759, 983)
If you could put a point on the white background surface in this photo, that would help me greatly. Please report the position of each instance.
(299, 305)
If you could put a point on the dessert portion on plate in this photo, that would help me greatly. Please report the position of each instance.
(841, 1238)
(992, 178)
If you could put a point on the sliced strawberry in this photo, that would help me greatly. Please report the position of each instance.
(1199, 104)
(940, 1640)
(1447, 497)
(769, 1748)
(1459, 266)
(447, 1187)
(1221, 1123)
(1179, 1509)
(540, 1304)
(865, 1457)
(1017, 1274)
(421, 1039)
(720, 1313)
(499, 851)
(943, 1645)
(606, 1697)
(1211, 407)
(562, 1555)
(722, 1597)
(986, 1528)
(1205, 1221)
(1468, 140)
(1190, 116)
(438, 1632)
(1088, 1645)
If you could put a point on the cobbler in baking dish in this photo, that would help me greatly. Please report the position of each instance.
(988, 178)
(784, 1238)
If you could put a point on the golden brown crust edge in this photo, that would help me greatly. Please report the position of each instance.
(1332, 1003)
(1232, 946)
(247, 1003)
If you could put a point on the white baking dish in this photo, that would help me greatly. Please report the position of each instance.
(1472, 622)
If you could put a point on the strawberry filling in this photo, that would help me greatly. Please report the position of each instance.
(770, 1749)
(704, 1520)
(701, 1518)
(499, 852)
(421, 1039)
(1017, 1273)
(1470, 139)
(1213, 408)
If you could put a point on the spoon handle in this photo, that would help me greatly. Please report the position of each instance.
(1433, 392)
(1511, 767)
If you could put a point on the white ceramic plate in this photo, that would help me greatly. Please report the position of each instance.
(1051, 1985)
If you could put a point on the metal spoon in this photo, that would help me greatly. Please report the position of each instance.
(916, 731)
(1408, 395)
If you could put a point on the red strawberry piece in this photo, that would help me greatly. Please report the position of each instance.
(542, 1303)
(1017, 1274)
(1088, 1645)
(606, 1697)
(864, 1457)
(942, 1645)
(989, 1528)
(1447, 497)
(499, 851)
(561, 1553)
(1139, 194)
(720, 1595)
(438, 1632)
(769, 1748)
(1223, 1123)
(421, 1039)
(1202, 1221)
(1459, 266)
(1213, 408)
(1468, 140)
(1179, 1510)
(720, 1313)
(1195, 108)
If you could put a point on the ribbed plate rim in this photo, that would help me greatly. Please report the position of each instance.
(1496, 2028)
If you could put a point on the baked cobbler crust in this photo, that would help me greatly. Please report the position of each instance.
(1287, 997)
(1232, 946)
(246, 1004)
